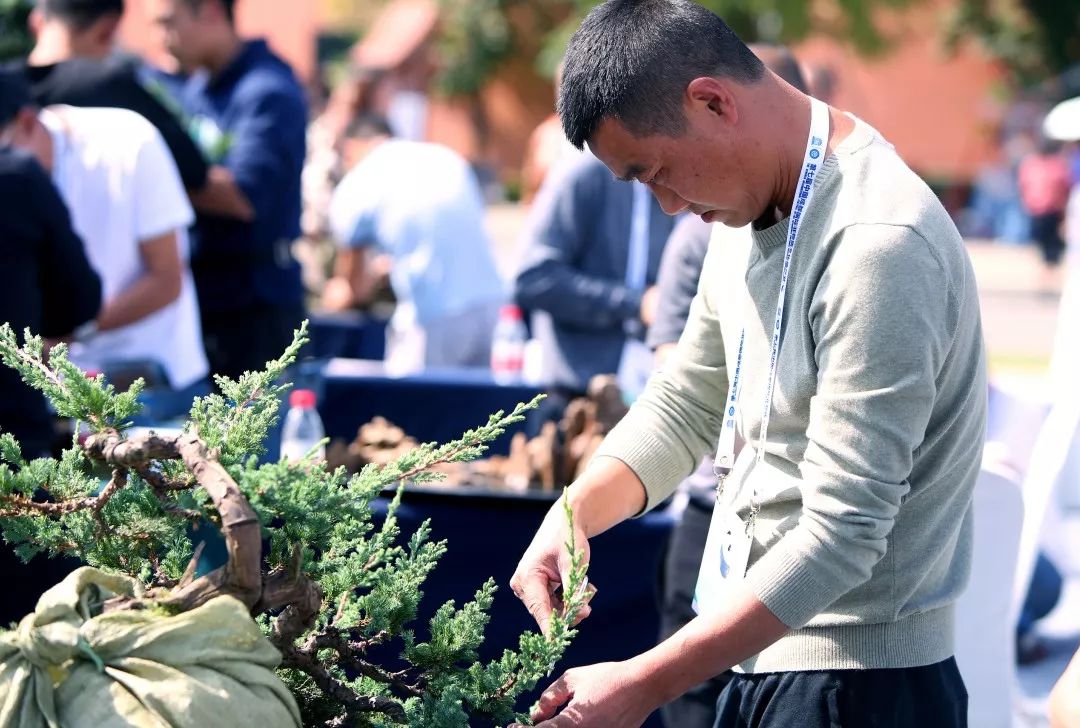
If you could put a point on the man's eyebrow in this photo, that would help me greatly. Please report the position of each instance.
(632, 173)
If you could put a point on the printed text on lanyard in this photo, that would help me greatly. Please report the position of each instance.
(725, 451)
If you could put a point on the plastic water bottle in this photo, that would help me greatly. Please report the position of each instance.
(508, 345)
(303, 428)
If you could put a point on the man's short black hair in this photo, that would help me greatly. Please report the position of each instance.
(367, 125)
(14, 94)
(80, 14)
(229, 6)
(631, 60)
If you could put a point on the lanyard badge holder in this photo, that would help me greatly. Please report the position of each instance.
(727, 550)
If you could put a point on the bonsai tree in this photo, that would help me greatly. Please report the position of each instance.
(336, 593)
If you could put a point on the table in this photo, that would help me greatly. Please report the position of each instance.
(486, 534)
(437, 405)
(348, 334)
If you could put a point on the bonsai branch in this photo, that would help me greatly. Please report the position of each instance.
(15, 505)
(339, 691)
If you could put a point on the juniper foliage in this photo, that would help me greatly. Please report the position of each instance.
(352, 657)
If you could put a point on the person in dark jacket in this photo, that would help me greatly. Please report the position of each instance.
(50, 289)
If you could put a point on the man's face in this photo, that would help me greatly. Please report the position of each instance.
(700, 170)
(180, 29)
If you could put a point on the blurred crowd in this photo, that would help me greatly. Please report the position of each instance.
(155, 219)
(1023, 196)
(202, 209)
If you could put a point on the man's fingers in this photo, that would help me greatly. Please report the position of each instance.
(557, 694)
(534, 591)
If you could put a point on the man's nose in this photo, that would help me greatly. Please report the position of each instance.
(670, 202)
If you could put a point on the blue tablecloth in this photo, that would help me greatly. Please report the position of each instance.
(438, 405)
(351, 335)
(486, 535)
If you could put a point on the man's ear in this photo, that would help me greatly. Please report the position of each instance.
(215, 8)
(36, 21)
(713, 97)
(105, 30)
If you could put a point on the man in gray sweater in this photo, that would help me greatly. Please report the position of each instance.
(845, 350)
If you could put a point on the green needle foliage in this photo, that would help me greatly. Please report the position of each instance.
(353, 658)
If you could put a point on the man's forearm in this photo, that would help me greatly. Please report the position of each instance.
(707, 646)
(606, 494)
(576, 299)
(146, 295)
(222, 196)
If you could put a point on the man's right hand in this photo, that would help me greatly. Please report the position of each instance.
(545, 568)
(607, 493)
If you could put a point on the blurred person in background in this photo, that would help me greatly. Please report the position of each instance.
(1045, 181)
(128, 205)
(676, 286)
(50, 287)
(324, 167)
(546, 148)
(592, 247)
(420, 205)
(74, 62)
(323, 170)
(249, 115)
(821, 81)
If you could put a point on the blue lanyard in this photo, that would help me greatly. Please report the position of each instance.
(725, 450)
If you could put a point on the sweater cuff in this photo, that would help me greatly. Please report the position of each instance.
(787, 583)
(649, 458)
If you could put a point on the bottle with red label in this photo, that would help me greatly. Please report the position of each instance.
(508, 345)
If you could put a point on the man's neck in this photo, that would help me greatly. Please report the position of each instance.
(224, 54)
(52, 47)
(44, 148)
(793, 151)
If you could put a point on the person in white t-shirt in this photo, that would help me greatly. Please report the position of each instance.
(128, 204)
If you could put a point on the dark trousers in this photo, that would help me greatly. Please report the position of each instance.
(1043, 595)
(243, 340)
(916, 697)
(1046, 231)
(697, 707)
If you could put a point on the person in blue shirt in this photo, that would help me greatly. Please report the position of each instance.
(249, 114)
(420, 205)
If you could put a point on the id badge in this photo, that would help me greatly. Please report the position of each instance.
(724, 562)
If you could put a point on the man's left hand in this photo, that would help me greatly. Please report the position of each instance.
(607, 695)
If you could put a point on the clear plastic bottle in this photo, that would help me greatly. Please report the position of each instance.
(303, 428)
(508, 345)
